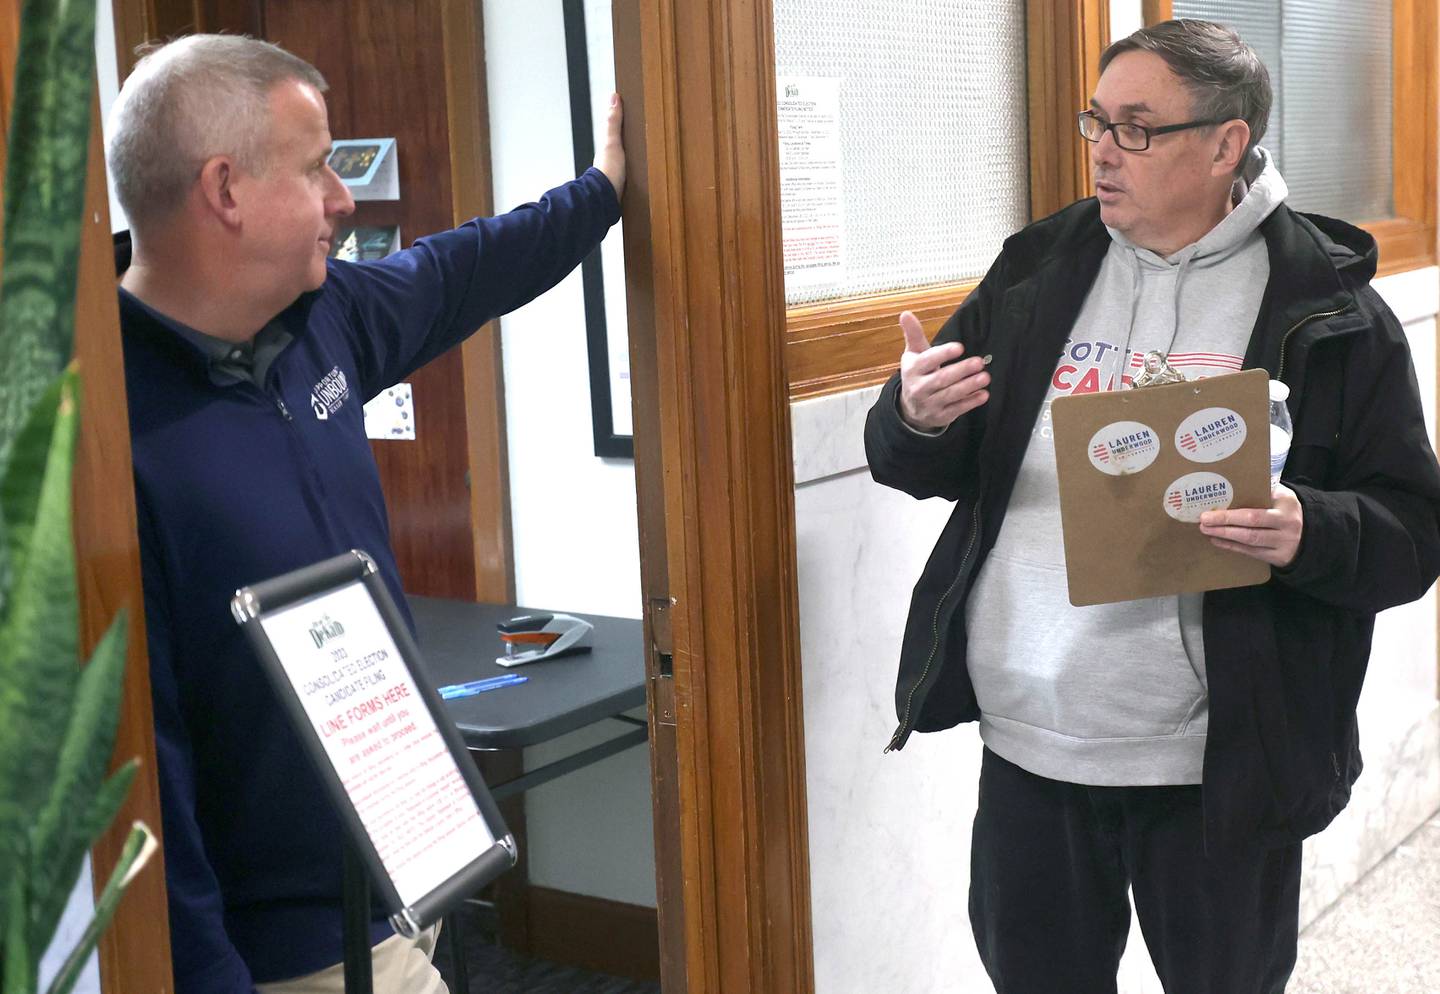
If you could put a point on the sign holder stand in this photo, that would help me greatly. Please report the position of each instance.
(327, 635)
(355, 924)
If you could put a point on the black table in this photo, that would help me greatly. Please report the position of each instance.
(458, 642)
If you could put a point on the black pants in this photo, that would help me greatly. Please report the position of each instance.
(1049, 867)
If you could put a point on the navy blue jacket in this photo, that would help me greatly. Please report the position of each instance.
(237, 483)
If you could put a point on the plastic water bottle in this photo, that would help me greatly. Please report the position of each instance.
(1280, 430)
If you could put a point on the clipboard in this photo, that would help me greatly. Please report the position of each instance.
(349, 675)
(1136, 470)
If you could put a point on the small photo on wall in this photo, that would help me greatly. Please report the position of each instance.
(367, 166)
(354, 161)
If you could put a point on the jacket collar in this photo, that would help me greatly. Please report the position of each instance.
(1312, 277)
(140, 322)
(1052, 266)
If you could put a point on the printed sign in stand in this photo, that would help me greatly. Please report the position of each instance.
(421, 823)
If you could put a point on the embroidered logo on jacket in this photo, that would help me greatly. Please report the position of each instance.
(329, 394)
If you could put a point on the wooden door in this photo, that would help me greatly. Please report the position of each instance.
(716, 491)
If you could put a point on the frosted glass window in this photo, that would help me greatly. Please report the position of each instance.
(932, 136)
(1330, 64)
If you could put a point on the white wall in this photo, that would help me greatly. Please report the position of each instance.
(893, 832)
(1125, 18)
(107, 78)
(576, 537)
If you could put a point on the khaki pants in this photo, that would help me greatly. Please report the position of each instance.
(401, 966)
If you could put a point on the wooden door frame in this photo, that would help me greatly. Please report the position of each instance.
(705, 292)
(134, 953)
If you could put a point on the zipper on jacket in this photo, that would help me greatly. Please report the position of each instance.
(279, 401)
(1285, 340)
(898, 739)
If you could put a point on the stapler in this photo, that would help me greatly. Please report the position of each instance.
(532, 637)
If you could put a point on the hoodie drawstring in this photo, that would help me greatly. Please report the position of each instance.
(1123, 361)
(1132, 257)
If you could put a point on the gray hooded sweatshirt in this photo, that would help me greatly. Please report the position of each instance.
(1113, 694)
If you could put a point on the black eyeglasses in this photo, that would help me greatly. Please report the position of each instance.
(1130, 137)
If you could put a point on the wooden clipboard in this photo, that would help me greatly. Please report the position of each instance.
(1136, 469)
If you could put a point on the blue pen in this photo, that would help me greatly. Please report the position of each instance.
(473, 687)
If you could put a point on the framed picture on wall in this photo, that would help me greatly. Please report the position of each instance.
(367, 167)
(590, 69)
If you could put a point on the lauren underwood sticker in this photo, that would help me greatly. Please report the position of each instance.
(1195, 493)
(1123, 447)
(1210, 435)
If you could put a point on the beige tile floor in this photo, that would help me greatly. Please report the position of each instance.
(1383, 936)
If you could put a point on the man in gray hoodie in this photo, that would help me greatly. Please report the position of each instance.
(1104, 768)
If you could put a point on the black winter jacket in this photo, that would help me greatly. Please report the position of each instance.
(1285, 659)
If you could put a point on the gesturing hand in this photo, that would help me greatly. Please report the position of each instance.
(610, 156)
(1271, 535)
(933, 394)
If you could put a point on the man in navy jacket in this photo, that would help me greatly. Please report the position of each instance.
(248, 357)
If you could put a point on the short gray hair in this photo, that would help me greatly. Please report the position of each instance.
(188, 101)
(1222, 72)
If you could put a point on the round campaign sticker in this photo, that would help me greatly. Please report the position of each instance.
(1123, 447)
(1195, 493)
(1210, 435)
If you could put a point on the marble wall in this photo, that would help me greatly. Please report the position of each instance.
(890, 835)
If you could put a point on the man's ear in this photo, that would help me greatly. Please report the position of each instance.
(1230, 152)
(218, 178)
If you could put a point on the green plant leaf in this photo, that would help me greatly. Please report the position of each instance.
(59, 840)
(45, 181)
(52, 888)
(17, 965)
(139, 846)
(39, 665)
(74, 63)
(44, 199)
(21, 477)
(27, 186)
